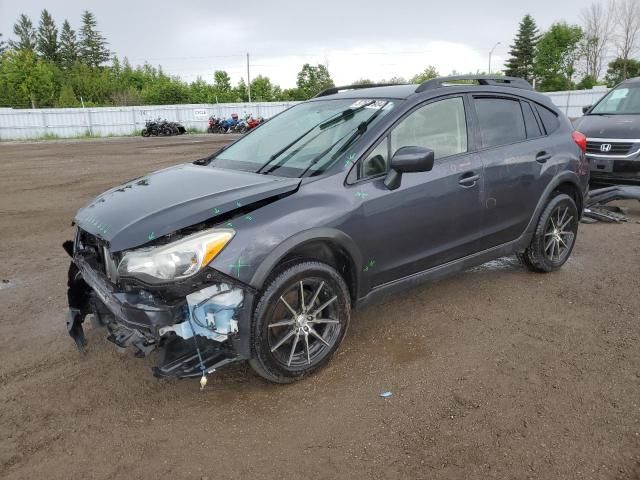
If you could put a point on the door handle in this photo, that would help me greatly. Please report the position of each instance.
(542, 157)
(469, 179)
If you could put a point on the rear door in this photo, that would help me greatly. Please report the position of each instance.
(515, 153)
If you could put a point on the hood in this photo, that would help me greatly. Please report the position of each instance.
(609, 126)
(169, 200)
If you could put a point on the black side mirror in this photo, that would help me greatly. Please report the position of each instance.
(586, 108)
(408, 160)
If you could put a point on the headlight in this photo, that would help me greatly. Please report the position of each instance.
(176, 260)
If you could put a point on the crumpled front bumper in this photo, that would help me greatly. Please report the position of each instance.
(195, 333)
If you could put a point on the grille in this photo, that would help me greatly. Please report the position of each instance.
(617, 148)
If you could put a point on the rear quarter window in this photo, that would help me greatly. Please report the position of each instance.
(530, 122)
(549, 119)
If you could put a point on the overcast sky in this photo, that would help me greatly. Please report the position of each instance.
(371, 39)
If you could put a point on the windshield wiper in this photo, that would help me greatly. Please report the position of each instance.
(338, 117)
(360, 129)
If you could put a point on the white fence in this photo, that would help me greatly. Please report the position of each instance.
(106, 121)
(572, 101)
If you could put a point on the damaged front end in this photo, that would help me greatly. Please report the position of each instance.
(198, 322)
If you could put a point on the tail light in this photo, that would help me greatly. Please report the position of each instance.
(580, 140)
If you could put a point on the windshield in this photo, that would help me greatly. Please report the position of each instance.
(621, 100)
(305, 139)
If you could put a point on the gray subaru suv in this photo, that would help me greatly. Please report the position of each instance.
(260, 251)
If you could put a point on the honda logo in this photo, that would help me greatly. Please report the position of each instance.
(605, 147)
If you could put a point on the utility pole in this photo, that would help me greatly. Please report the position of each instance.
(491, 53)
(248, 79)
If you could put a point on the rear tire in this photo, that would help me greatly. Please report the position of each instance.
(145, 132)
(286, 347)
(555, 236)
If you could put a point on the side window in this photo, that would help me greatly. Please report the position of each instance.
(549, 119)
(530, 122)
(376, 162)
(440, 126)
(501, 121)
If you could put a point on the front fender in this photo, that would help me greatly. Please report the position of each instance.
(332, 235)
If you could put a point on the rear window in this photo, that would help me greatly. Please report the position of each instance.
(549, 119)
(501, 121)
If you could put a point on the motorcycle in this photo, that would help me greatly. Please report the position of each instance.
(150, 128)
(253, 122)
(214, 125)
(227, 125)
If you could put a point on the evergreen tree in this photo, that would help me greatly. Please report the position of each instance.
(67, 97)
(93, 46)
(3, 45)
(47, 38)
(23, 29)
(523, 50)
(68, 46)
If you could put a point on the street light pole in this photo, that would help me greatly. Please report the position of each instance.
(491, 53)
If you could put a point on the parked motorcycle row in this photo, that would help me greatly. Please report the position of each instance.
(162, 127)
(233, 124)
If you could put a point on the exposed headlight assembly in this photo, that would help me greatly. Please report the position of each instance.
(177, 260)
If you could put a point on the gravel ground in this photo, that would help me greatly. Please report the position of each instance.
(495, 373)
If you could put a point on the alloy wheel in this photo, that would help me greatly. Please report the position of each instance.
(304, 325)
(559, 234)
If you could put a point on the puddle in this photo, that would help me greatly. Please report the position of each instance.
(6, 284)
(499, 264)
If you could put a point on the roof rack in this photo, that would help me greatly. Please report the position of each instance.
(334, 90)
(492, 80)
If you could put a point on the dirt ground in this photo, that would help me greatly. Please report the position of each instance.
(495, 373)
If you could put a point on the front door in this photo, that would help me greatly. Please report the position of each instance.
(433, 217)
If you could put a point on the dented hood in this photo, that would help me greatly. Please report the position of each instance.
(169, 200)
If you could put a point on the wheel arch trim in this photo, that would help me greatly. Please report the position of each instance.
(332, 235)
(563, 177)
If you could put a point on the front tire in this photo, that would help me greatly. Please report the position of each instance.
(299, 322)
(555, 236)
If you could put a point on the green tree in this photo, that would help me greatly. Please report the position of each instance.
(3, 45)
(93, 46)
(398, 80)
(262, 90)
(240, 93)
(23, 29)
(587, 83)
(68, 46)
(67, 97)
(523, 50)
(312, 80)
(165, 90)
(47, 38)
(620, 69)
(200, 91)
(557, 53)
(27, 81)
(290, 94)
(363, 81)
(222, 91)
(427, 74)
